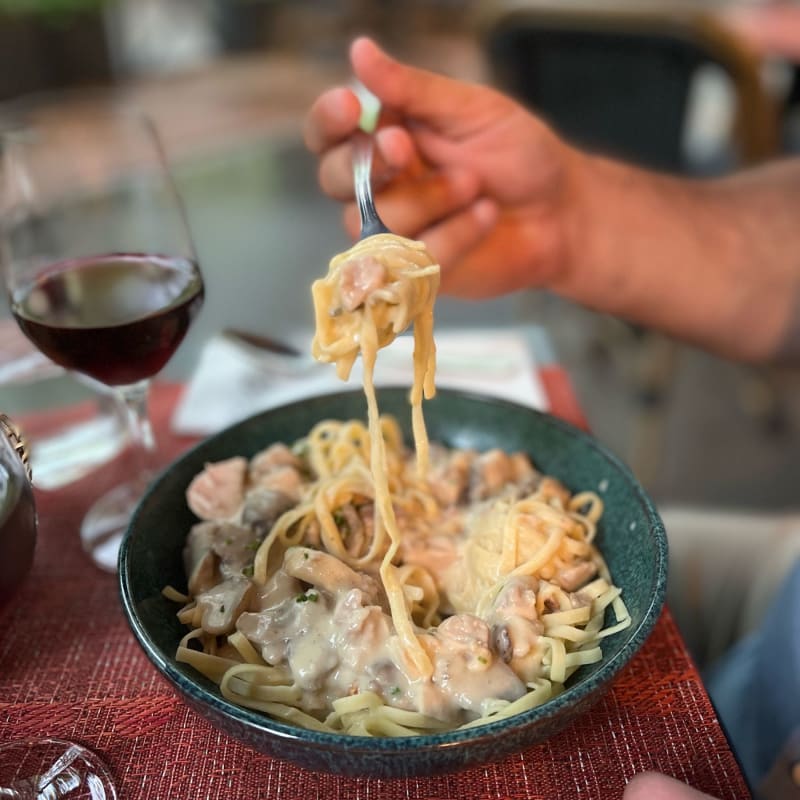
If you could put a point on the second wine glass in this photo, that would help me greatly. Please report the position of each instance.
(101, 271)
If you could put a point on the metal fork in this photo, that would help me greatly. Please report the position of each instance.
(371, 223)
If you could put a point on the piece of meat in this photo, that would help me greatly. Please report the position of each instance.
(449, 480)
(517, 598)
(573, 577)
(218, 491)
(360, 277)
(275, 456)
(491, 471)
(284, 479)
(465, 632)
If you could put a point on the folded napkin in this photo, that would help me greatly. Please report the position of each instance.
(234, 380)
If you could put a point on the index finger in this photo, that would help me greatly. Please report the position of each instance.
(433, 99)
(332, 118)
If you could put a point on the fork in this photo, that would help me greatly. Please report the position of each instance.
(371, 223)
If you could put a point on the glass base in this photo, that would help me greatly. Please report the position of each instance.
(106, 521)
(51, 769)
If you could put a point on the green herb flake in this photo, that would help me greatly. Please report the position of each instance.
(341, 522)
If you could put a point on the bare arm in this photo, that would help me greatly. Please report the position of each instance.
(714, 262)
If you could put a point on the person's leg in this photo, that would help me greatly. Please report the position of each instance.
(725, 568)
(755, 688)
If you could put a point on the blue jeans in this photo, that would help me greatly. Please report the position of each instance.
(755, 688)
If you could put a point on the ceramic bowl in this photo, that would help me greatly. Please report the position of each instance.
(631, 537)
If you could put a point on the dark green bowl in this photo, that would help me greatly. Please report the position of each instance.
(631, 537)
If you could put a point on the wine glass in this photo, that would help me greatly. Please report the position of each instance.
(100, 270)
(35, 768)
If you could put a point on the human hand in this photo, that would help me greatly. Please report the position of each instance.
(655, 786)
(484, 183)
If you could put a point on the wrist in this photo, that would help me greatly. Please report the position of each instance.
(594, 253)
(686, 257)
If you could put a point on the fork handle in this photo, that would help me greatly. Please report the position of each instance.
(371, 223)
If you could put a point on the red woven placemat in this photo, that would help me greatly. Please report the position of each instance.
(69, 667)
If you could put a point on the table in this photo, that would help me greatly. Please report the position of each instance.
(70, 667)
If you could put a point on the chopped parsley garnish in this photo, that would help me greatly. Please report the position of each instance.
(307, 597)
(341, 522)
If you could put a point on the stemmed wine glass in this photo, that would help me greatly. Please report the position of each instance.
(100, 270)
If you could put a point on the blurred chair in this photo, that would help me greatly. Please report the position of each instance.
(620, 81)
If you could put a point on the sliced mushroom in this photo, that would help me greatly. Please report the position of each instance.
(516, 639)
(235, 546)
(262, 508)
(199, 559)
(222, 604)
(327, 572)
(501, 640)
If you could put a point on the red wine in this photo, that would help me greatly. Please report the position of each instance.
(116, 318)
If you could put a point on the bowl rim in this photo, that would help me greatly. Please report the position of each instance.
(266, 725)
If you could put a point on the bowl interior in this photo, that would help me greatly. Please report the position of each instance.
(630, 535)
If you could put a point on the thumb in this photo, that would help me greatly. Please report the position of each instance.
(429, 98)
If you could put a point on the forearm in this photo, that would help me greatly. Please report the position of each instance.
(714, 262)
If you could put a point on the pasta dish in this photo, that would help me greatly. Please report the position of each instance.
(345, 582)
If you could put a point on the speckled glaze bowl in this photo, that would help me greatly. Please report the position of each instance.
(631, 537)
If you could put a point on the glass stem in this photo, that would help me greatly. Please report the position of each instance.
(134, 399)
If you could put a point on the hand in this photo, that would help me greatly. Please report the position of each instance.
(655, 786)
(502, 203)
(485, 184)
